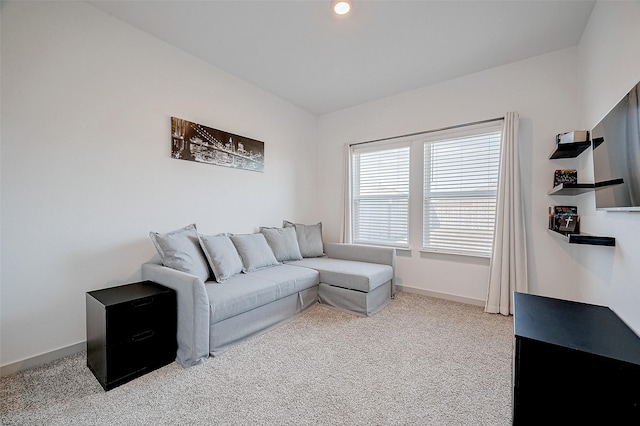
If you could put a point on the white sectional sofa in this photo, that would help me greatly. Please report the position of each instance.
(233, 287)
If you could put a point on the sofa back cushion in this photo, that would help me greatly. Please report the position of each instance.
(283, 243)
(222, 256)
(309, 238)
(254, 251)
(180, 249)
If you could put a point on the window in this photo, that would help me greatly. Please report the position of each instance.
(459, 201)
(381, 196)
(455, 189)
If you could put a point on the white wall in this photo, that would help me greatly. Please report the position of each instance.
(610, 66)
(545, 93)
(86, 167)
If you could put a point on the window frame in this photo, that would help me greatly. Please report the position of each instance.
(416, 200)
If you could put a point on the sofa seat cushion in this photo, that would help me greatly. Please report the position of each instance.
(244, 292)
(361, 276)
(289, 279)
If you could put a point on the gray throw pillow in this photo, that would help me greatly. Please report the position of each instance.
(180, 250)
(309, 238)
(254, 251)
(283, 243)
(223, 258)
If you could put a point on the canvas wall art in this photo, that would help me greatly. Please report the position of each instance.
(195, 142)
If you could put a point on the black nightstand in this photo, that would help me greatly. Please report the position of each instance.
(131, 330)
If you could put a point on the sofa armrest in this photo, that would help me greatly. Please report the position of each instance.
(193, 311)
(364, 253)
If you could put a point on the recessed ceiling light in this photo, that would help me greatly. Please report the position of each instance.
(341, 7)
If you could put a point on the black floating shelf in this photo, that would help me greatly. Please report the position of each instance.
(571, 188)
(581, 188)
(593, 240)
(569, 150)
(606, 183)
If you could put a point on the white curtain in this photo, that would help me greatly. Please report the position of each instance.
(633, 147)
(508, 268)
(345, 233)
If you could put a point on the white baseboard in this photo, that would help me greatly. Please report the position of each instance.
(440, 295)
(41, 359)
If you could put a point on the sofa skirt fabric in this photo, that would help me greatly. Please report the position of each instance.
(356, 301)
(234, 330)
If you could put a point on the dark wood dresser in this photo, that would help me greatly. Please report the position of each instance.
(574, 363)
(131, 330)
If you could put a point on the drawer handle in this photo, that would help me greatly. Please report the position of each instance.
(141, 303)
(142, 336)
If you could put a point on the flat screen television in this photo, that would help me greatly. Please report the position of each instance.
(615, 142)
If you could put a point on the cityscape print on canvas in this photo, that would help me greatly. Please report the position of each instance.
(195, 142)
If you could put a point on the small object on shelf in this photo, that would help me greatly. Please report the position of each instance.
(569, 224)
(564, 219)
(573, 137)
(569, 176)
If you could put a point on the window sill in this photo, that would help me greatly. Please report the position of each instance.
(465, 257)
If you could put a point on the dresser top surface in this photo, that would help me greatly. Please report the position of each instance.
(581, 326)
(128, 292)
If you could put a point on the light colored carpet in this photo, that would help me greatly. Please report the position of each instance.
(420, 361)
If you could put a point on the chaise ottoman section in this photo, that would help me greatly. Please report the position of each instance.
(355, 286)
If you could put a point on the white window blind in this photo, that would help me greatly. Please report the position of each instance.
(380, 196)
(460, 184)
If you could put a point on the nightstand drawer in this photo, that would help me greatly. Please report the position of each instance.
(129, 319)
(139, 355)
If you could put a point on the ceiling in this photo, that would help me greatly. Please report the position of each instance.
(299, 51)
